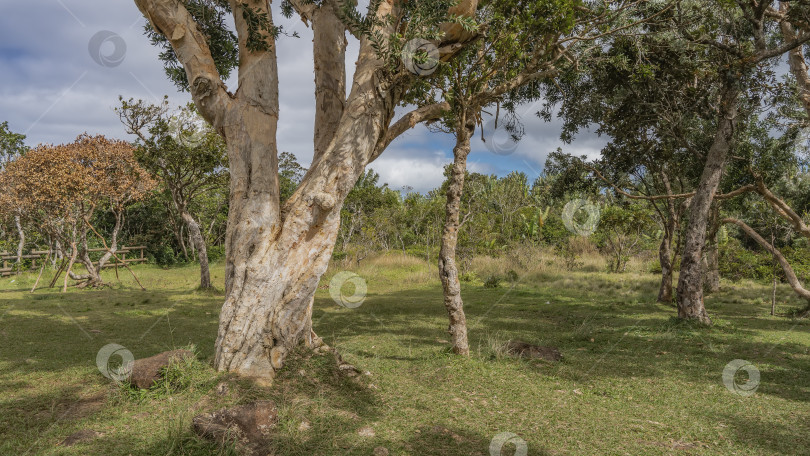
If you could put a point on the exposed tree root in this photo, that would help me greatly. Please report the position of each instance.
(317, 345)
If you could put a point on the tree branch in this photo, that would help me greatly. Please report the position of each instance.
(424, 114)
(786, 268)
(171, 19)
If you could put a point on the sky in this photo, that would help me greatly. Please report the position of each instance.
(63, 64)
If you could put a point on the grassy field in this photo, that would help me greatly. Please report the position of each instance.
(632, 381)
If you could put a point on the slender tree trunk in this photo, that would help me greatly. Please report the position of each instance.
(712, 279)
(199, 244)
(775, 263)
(68, 272)
(448, 271)
(711, 264)
(665, 257)
(690, 283)
(93, 276)
(113, 248)
(20, 243)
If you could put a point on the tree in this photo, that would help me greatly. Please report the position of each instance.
(61, 187)
(737, 41)
(185, 154)
(275, 255)
(521, 45)
(699, 61)
(12, 145)
(290, 173)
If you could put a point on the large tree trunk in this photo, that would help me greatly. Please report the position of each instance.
(274, 265)
(448, 271)
(690, 283)
(274, 257)
(20, 242)
(199, 244)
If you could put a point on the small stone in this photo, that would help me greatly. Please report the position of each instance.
(304, 426)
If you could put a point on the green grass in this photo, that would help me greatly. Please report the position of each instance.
(633, 381)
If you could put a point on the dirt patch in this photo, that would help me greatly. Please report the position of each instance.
(248, 425)
(522, 349)
(85, 435)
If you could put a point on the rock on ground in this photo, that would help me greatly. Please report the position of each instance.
(146, 371)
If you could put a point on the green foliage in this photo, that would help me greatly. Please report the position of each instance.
(493, 281)
(12, 144)
(290, 173)
(571, 258)
(211, 19)
(622, 233)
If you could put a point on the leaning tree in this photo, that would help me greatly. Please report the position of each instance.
(275, 255)
(740, 50)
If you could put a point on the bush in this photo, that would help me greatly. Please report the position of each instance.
(469, 276)
(567, 251)
(492, 281)
(216, 253)
(512, 276)
(164, 255)
(737, 263)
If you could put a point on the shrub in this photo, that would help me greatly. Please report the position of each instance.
(492, 281)
(568, 253)
(469, 276)
(512, 276)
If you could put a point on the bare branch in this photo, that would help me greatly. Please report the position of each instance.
(408, 121)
